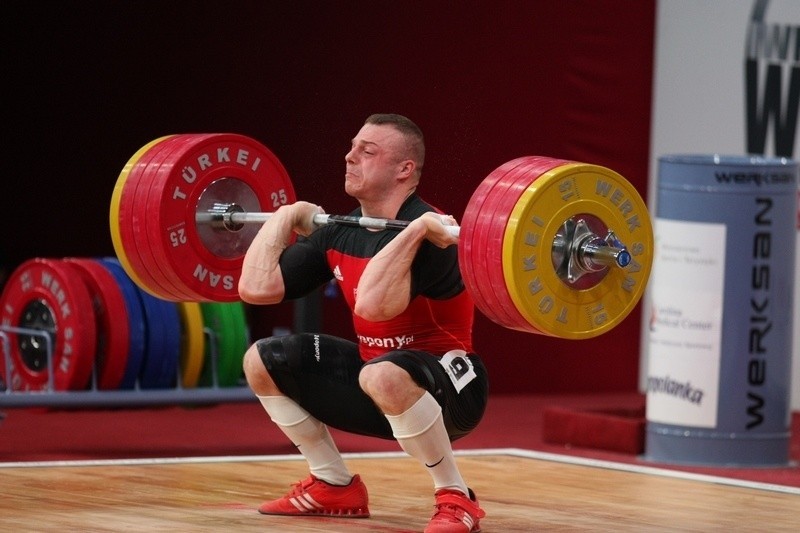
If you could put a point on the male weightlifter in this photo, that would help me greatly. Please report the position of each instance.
(411, 376)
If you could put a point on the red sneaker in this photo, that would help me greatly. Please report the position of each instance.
(455, 513)
(313, 496)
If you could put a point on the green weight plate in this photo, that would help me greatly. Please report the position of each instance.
(226, 339)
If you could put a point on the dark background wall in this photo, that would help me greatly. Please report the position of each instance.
(86, 83)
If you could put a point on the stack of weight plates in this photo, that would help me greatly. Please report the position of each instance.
(82, 323)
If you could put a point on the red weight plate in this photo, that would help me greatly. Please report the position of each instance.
(479, 218)
(487, 219)
(113, 333)
(44, 295)
(506, 199)
(471, 248)
(225, 168)
(113, 212)
(129, 216)
(154, 232)
(139, 189)
(148, 196)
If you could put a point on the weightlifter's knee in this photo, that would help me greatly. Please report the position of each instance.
(255, 372)
(268, 365)
(389, 386)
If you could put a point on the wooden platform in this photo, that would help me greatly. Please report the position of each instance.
(520, 491)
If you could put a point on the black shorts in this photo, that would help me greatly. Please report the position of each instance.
(320, 372)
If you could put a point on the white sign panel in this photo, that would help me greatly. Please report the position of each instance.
(685, 323)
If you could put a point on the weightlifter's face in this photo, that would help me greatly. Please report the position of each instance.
(374, 161)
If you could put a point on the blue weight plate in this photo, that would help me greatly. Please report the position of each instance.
(171, 344)
(135, 318)
(162, 344)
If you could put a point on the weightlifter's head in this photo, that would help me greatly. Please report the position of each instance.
(386, 156)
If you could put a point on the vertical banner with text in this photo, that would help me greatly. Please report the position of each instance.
(727, 81)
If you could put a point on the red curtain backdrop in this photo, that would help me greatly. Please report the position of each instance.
(88, 83)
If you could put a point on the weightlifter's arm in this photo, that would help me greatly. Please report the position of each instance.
(261, 281)
(384, 290)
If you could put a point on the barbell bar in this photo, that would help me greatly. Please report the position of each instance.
(546, 246)
(587, 252)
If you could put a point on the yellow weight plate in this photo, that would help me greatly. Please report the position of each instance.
(550, 304)
(113, 215)
(193, 343)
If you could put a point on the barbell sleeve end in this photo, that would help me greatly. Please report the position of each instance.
(597, 256)
(623, 258)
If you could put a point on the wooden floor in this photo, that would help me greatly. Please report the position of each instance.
(518, 492)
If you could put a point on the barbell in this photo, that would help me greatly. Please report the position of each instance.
(546, 245)
(590, 253)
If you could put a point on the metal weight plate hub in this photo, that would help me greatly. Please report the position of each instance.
(576, 237)
(232, 240)
(540, 290)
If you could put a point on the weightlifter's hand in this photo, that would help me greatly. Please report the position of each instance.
(302, 216)
(435, 228)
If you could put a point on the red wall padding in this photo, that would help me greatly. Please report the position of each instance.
(90, 82)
